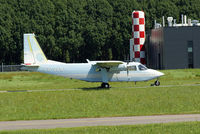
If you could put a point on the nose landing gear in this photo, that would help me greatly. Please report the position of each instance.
(105, 85)
(156, 83)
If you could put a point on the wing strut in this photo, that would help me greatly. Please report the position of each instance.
(104, 75)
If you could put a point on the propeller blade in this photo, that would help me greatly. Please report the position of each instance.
(127, 69)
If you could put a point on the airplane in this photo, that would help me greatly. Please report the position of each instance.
(92, 71)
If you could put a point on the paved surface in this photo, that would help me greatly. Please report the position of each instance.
(108, 121)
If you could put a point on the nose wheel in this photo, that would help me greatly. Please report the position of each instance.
(105, 85)
(156, 83)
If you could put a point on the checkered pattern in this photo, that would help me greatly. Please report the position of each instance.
(138, 28)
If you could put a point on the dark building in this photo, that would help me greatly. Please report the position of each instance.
(174, 48)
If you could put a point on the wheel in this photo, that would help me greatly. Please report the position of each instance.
(157, 83)
(105, 85)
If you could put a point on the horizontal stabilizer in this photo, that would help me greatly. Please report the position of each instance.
(30, 65)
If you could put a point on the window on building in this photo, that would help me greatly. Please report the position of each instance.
(190, 54)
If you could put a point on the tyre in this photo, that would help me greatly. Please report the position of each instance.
(105, 85)
(157, 83)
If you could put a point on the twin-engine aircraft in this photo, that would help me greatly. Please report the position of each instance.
(92, 71)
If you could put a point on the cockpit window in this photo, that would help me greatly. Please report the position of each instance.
(142, 67)
(132, 68)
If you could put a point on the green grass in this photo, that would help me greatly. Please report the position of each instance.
(96, 103)
(99, 103)
(181, 76)
(171, 128)
(32, 81)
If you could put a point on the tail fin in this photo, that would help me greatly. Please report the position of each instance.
(33, 54)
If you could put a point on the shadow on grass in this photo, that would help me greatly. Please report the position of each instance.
(93, 88)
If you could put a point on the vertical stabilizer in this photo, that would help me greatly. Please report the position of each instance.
(33, 54)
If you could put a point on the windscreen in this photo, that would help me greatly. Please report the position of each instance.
(142, 67)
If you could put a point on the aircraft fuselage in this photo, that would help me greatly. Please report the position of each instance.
(91, 73)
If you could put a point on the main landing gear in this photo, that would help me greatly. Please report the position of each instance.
(105, 85)
(156, 83)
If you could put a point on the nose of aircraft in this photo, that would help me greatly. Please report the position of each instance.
(156, 73)
(159, 74)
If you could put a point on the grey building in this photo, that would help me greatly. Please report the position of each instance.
(173, 47)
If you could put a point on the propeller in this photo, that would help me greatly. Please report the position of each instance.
(127, 69)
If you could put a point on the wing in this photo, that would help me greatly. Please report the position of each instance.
(104, 67)
(106, 64)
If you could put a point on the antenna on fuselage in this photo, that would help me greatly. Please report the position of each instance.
(88, 60)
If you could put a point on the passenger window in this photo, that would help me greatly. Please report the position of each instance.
(132, 68)
(141, 67)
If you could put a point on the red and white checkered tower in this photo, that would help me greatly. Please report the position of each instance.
(137, 50)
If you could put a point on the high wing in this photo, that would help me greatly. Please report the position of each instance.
(105, 64)
(104, 67)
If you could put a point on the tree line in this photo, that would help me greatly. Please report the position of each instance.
(75, 30)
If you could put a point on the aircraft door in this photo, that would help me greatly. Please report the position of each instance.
(130, 72)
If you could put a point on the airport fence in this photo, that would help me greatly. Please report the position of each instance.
(10, 68)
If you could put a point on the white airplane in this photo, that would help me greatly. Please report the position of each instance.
(92, 71)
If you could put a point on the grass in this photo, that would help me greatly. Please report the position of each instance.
(90, 102)
(171, 128)
(99, 103)
(32, 81)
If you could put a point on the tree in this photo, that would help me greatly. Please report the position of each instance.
(75, 30)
